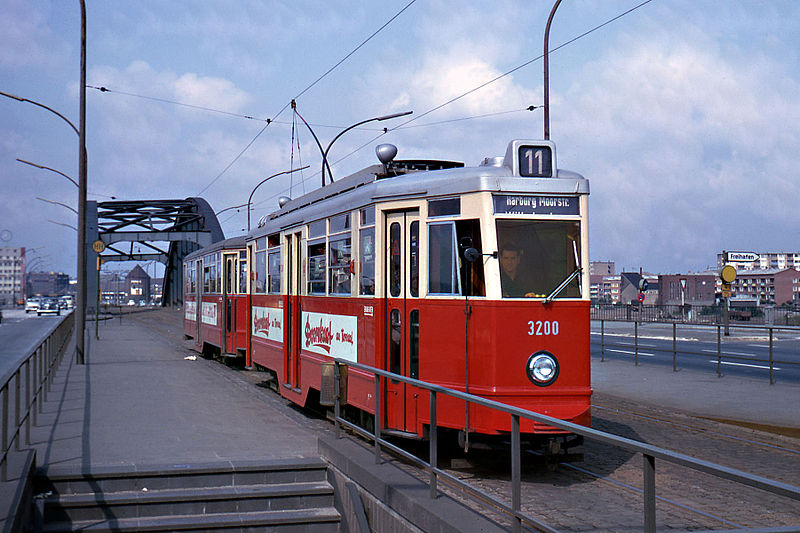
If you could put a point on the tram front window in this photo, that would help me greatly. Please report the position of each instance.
(535, 257)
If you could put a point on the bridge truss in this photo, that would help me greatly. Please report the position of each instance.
(167, 231)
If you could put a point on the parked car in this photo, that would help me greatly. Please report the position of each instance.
(49, 307)
(31, 305)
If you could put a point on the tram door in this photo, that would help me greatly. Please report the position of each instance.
(293, 312)
(229, 304)
(402, 318)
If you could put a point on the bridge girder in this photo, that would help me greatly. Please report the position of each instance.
(185, 224)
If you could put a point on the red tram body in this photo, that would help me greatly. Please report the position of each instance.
(216, 303)
(469, 278)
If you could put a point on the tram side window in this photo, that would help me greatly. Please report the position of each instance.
(366, 261)
(535, 257)
(242, 272)
(260, 279)
(442, 272)
(275, 272)
(192, 278)
(340, 265)
(275, 266)
(473, 282)
(316, 267)
(366, 252)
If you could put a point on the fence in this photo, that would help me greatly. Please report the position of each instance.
(696, 314)
(31, 381)
(721, 355)
(514, 511)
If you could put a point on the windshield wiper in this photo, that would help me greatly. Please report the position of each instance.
(550, 297)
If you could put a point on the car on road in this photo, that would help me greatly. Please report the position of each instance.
(31, 305)
(49, 307)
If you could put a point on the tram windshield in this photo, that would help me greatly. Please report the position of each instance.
(535, 257)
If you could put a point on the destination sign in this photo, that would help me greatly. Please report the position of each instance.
(530, 204)
(748, 257)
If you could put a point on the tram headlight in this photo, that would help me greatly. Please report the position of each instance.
(542, 368)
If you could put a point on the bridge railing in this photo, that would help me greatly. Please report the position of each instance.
(514, 510)
(695, 314)
(31, 380)
(722, 356)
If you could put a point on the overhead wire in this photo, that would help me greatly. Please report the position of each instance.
(496, 78)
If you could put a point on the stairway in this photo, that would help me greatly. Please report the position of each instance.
(283, 495)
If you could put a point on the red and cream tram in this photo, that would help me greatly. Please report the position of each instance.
(471, 278)
(216, 303)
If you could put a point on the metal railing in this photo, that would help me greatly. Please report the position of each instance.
(31, 381)
(514, 511)
(720, 355)
(695, 314)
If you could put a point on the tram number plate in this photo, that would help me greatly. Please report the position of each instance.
(535, 161)
(542, 327)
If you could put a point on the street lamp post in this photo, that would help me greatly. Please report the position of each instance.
(80, 304)
(547, 71)
(325, 153)
(250, 198)
(50, 169)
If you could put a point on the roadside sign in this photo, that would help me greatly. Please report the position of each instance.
(728, 274)
(683, 283)
(641, 297)
(743, 257)
(98, 246)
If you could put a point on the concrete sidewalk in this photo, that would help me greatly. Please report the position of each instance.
(751, 402)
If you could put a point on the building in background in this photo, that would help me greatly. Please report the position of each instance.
(771, 286)
(47, 284)
(692, 289)
(601, 268)
(137, 285)
(12, 275)
(763, 261)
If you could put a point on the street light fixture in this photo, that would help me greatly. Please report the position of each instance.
(250, 199)
(50, 169)
(58, 203)
(325, 153)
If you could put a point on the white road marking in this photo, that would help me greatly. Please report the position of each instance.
(631, 353)
(744, 364)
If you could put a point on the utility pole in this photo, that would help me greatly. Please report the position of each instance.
(80, 304)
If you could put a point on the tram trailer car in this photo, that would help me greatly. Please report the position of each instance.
(372, 268)
(216, 302)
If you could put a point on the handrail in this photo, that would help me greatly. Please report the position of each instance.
(649, 452)
(720, 355)
(38, 366)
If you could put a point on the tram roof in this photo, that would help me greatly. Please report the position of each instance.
(232, 243)
(371, 185)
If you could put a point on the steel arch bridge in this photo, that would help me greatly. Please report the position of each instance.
(167, 229)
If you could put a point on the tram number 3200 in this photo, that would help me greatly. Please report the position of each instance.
(542, 327)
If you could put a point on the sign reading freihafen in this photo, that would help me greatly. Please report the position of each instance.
(333, 335)
(533, 204)
(268, 323)
(742, 257)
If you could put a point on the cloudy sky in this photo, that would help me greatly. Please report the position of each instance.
(684, 115)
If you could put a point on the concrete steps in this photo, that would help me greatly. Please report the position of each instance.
(284, 495)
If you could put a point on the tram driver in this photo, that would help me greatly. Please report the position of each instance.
(511, 279)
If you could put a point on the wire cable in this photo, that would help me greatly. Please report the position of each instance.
(496, 78)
